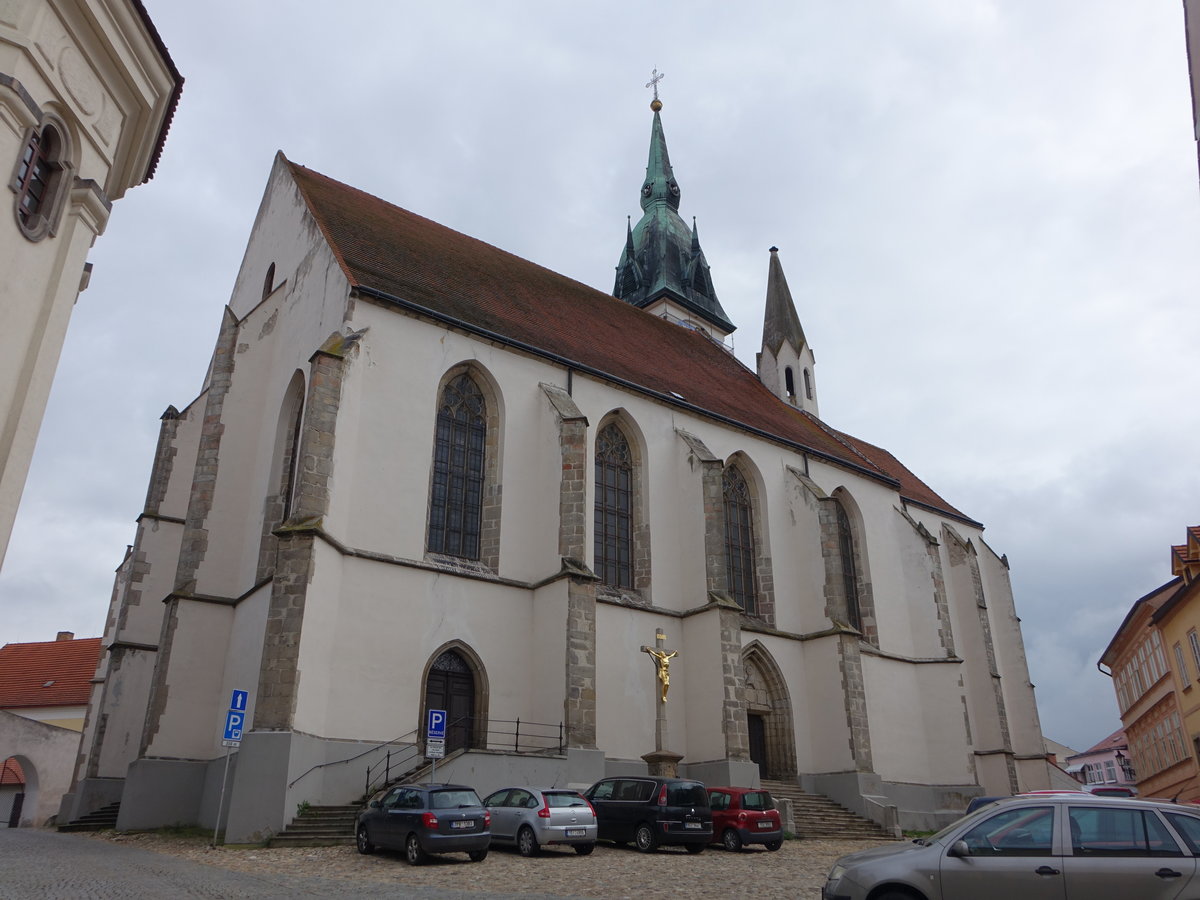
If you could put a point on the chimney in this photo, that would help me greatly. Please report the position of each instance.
(65, 636)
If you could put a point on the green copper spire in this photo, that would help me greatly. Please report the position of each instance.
(662, 258)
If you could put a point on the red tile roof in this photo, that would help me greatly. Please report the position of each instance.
(48, 673)
(402, 257)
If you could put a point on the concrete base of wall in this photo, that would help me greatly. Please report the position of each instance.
(910, 807)
(724, 773)
(161, 792)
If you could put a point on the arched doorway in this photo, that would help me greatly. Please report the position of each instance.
(12, 792)
(769, 723)
(450, 684)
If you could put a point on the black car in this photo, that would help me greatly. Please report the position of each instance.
(425, 818)
(651, 811)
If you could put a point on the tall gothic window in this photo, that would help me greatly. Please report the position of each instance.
(614, 508)
(849, 571)
(456, 498)
(739, 538)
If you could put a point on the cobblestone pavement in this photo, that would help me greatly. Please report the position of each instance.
(42, 864)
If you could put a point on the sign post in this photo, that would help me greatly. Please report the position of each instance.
(435, 739)
(235, 720)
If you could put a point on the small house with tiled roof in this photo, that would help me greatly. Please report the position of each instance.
(45, 687)
(426, 474)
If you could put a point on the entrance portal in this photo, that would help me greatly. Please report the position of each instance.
(451, 686)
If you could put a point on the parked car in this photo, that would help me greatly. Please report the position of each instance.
(1070, 844)
(532, 818)
(1111, 790)
(744, 816)
(421, 819)
(652, 811)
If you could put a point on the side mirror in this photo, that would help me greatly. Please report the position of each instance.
(959, 848)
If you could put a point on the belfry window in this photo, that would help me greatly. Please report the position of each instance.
(849, 572)
(38, 182)
(789, 381)
(739, 538)
(807, 385)
(614, 508)
(456, 495)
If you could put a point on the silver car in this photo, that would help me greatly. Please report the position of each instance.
(1060, 846)
(531, 818)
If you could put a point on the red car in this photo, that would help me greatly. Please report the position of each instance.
(744, 816)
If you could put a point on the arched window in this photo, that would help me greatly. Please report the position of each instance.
(614, 508)
(807, 385)
(38, 181)
(456, 496)
(269, 281)
(789, 381)
(739, 538)
(849, 571)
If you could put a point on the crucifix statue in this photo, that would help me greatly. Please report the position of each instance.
(662, 662)
(661, 761)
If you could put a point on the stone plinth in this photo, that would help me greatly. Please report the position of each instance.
(663, 763)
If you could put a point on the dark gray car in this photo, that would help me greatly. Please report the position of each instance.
(1048, 847)
(421, 819)
(652, 811)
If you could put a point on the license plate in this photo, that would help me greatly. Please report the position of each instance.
(764, 824)
(696, 825)
(576, 832)
(463, 823)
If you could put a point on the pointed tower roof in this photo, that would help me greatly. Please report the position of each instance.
(780, 323)
(662, 256)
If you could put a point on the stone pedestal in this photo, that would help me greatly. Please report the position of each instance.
(663, 763)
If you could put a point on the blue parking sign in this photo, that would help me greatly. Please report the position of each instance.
(234, 721)
(435, 726)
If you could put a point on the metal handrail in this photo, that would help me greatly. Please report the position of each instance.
(336, 762)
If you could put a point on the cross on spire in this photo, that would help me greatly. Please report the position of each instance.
(655, 78)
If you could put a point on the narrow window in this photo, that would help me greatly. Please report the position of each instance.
(1181, 664)
(269, 281)
(1195, 649)
(456, 498)
(739, 539)
(37, 182)
(849, 572)
(614, 508)
(789, 381)
(807, 385)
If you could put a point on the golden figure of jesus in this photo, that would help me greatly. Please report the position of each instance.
(662, 662)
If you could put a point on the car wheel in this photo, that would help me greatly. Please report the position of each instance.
(695, 848)
(584, 849)
(362, 840)
(645, 838)
(526, 843)
(773, 845)
(413, 852)
(478, 855)
(731, 840)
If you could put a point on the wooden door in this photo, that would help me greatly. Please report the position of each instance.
(451, 687)
(757, 727)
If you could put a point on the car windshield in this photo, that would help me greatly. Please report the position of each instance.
(563, 799)
(453, 799)
(757, 800)
(687, 793)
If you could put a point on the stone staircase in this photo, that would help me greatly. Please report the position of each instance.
(105, 817)
(319, 826)
(820, 817)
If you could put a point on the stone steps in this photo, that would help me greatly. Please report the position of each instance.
(98, 820)
(319, 826)
(819, 817)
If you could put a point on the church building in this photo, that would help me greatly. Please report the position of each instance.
(425, 474)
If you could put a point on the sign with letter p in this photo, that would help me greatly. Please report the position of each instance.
(435, 725)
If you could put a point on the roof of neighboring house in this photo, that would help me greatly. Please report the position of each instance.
(48, 673)
(173, 102)
(11, 772)
(431, 270)
(1115, 741)
(1147, 605)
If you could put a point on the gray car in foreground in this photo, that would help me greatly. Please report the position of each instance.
(1051, 847)
(532, 818)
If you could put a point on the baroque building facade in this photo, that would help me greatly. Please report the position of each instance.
(426, 474)
(87, 91)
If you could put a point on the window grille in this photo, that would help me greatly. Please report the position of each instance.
(739, 539)
(614, 509)
(456, 499)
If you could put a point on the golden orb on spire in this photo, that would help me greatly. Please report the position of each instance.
(656, 104)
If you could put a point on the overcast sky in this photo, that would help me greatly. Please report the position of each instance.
(988, 213)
